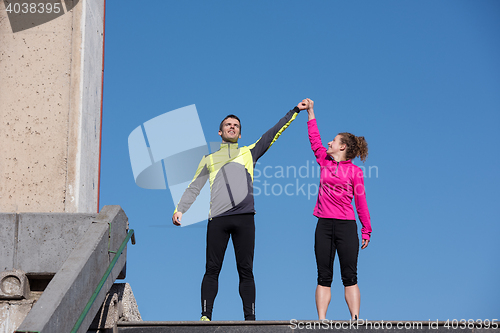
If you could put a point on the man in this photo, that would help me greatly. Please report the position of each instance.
(230, 170)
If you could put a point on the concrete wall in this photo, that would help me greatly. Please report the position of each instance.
(50, 126)
(67, 294)
(8, 232)
(39, 243)
(12, 314)
(77, 248)
(50, 120)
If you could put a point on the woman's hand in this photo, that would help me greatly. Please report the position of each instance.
(364, 243)
(311, 104)
(310, 109)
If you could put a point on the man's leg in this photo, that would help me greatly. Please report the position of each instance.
(217, 238)
(244, 244)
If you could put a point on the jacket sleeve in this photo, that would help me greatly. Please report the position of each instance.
(315, 139)
(194, 188)
(266, 141)
(361, 205)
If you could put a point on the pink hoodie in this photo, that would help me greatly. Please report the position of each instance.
(339, 182)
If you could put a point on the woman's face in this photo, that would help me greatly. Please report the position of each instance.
(335, 146)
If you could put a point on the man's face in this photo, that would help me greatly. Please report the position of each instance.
(230, 130)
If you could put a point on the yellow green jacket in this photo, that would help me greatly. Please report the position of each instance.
(230, 171)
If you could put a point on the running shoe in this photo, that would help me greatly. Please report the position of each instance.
(204, 318)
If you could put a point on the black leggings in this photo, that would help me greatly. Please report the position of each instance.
(242, 230)
(336, 235)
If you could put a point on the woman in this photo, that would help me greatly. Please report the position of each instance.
(336, 230)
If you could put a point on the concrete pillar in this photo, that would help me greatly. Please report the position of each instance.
(51, 74)
(50, 110)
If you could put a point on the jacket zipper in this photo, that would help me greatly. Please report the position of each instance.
(228, 187)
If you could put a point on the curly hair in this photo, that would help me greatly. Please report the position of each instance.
(356, 146)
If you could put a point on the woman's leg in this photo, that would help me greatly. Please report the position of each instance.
(347, 243)
(325, 252)
(353, 300)
(323, 297)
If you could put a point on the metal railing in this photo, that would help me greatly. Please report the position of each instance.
(101, 283)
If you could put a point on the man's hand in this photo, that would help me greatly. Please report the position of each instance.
(176, 218)
(303, 105)
(364, 243)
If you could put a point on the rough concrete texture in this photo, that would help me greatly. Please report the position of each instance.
(90, 107)
(130, 308)
(39, 243)
(50, 92)
(8, 232)
(119, 305)
(14, 285)
(13, 313)
(66, 296)
(34, 81)
(45, 240)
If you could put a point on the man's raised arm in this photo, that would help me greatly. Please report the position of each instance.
(266, 141)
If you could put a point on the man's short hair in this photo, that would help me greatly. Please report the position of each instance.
(227, 117)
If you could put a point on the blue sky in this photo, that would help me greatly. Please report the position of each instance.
(419, 79)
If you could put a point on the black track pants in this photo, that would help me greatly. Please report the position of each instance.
(242, 230)
(336, 235)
